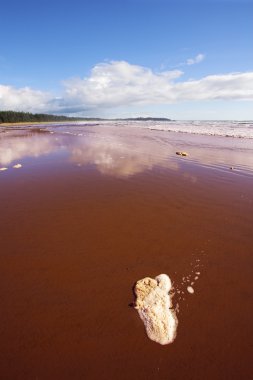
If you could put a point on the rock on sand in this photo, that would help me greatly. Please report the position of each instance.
(154, 306)
(184, 154)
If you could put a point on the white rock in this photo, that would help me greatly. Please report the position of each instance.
(154, 306)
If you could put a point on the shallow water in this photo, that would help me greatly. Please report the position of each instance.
(122, 151)
(225, 128)
(92, 211)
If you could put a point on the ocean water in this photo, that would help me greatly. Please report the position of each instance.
(227, 128)
(125, 148)
(239, 129)
(216, 128)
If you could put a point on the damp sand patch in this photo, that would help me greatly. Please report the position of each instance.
(154, 305)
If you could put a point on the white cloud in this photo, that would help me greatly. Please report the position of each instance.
(118, 83)
(115, 84)
(192, 61)
(23, 99)
(233, 86)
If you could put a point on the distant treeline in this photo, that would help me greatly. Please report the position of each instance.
(27, 117)
(19, 117)
(148, 119)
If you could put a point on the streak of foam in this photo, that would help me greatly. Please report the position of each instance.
(189, 280)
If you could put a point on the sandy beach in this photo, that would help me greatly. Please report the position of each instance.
(91, 211)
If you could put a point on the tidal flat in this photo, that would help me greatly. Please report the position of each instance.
(85, 212)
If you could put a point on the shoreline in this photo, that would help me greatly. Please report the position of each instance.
(222, 128)
(128, 149)
(35, 123)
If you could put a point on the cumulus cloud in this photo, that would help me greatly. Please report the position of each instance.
(191, 61)
(234, 86)
(23, 99)
(118, 83)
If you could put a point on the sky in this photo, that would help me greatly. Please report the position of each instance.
(181, 59)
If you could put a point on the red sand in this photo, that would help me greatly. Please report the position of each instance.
(74, 241)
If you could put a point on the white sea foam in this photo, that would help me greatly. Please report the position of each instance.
(211, 128)
(154, 306)
(190, 289)
(227, 128)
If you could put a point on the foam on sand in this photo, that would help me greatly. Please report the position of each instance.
(154, 305)
(190, 289)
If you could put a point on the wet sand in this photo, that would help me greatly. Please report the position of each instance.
(85, 217)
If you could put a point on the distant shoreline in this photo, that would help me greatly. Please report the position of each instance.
(25, 123)
(21, 118)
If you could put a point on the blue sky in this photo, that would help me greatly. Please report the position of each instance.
(181, 59)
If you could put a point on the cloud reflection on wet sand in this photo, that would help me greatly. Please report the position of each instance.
(112, 155)
(17, 148)
(119, 157)
(124, 152)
